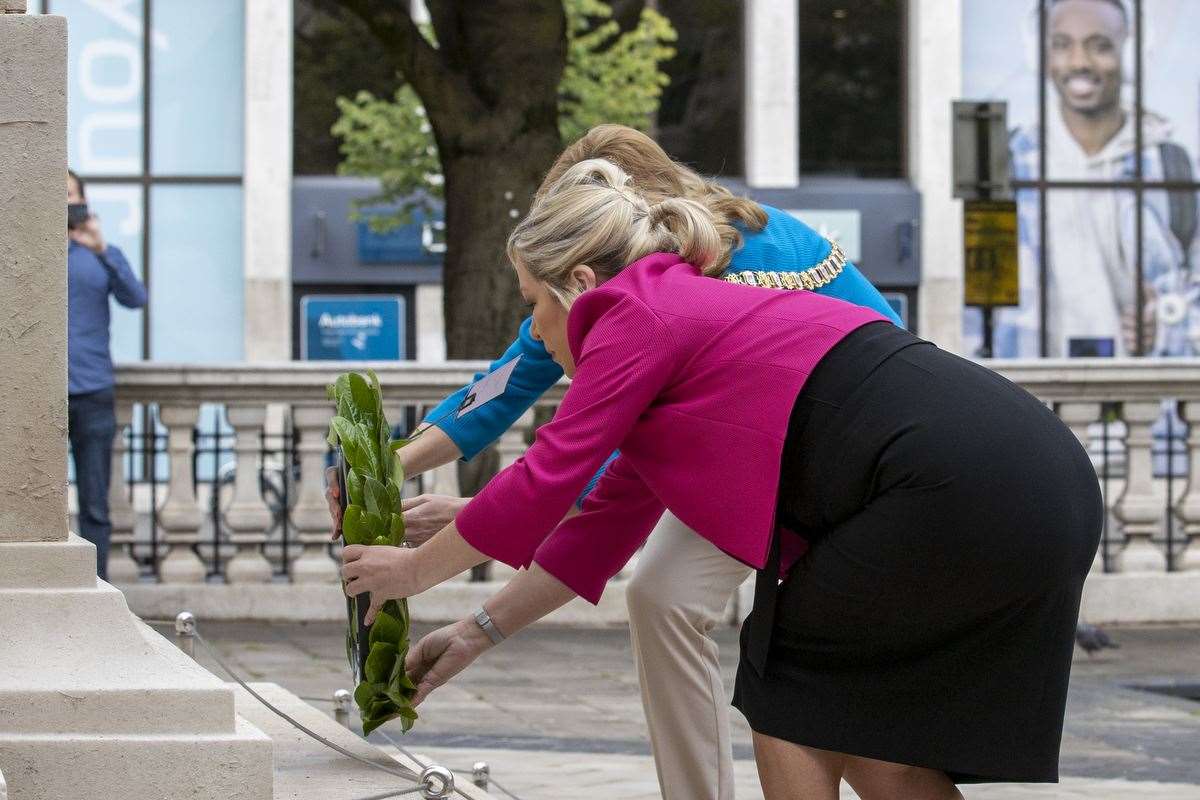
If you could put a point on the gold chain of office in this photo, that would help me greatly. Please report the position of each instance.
(812, 278)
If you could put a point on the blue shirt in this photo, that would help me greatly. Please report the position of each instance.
(91, 279)
(785, 244)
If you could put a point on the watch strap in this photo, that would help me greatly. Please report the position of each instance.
(484, 620)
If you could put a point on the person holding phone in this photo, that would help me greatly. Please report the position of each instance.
(96, 270)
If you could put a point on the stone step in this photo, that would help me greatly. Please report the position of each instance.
(77, 662)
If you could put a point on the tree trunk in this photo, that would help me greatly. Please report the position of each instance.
(486, 194)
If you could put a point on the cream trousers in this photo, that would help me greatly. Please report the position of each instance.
(677, 595)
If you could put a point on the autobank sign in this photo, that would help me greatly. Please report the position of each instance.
(352, 328)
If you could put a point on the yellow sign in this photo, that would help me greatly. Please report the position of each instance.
(990, 245)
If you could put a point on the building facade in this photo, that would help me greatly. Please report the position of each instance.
(838, 110)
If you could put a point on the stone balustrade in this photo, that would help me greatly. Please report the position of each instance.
(257, 514)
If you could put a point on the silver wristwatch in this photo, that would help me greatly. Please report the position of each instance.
(484, 621)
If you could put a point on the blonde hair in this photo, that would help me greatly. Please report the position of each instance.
(657, 177)
(593, 216)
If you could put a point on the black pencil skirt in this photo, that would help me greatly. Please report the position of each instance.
(952, 520)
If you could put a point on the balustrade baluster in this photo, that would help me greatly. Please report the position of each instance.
(1140, 508)
(180, 515)
(248, 517)
(1189, 504)
(311, 514)
(121, 566)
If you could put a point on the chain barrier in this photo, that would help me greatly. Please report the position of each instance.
(434, 782)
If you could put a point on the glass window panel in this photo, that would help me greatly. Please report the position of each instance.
(851, 75)
(1170, 251)
(1000, 62)
(119, 207)
(104, 86)
(1091, 76)
(1091, 269)
(1016, 328)
(700, 117)
(196, 302)
(197, 88)
(35, 7)
(1171, 65)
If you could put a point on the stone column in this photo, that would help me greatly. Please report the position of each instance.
(94, 703)
(934, 80)
(1140, 508)
(267, 182)
(311, 515)
(1189, 503)
(181, 515)
(122, 568)
(1078, 417)
(772, 107)
(33, 248)
(248, 517)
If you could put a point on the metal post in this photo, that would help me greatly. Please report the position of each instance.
(185, 633)
(341, 707)
(481, 774)
(437, 783)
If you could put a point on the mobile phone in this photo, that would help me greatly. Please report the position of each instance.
(77, 214)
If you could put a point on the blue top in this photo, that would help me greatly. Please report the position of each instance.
(91, 279)
(785, 244)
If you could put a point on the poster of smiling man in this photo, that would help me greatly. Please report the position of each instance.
(1119, 198)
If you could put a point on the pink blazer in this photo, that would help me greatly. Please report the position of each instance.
(693, 379)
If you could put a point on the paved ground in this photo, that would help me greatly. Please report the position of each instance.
(556, 711)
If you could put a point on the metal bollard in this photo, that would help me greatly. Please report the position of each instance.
(481, 773)
(341, 707)
(437, 783)
(185, 633)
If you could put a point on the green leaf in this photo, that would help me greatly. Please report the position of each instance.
(386, 628)
(364, 398)
(393, 492)
(380, 661)
(363, 694)
(354, 488)
(375, 525)
(397, 444)
(376, 390)
(396, 529)
(397, 475)
(355, 529)
(377, 497)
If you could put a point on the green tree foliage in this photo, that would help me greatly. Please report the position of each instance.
(611, 76)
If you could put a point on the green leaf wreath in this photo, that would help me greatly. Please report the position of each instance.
(373, 477)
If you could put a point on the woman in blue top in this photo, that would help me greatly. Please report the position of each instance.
(682, 583)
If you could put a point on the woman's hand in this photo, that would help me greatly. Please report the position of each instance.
(332, 498)
(441, 655)
(388, 573)
(427, 514)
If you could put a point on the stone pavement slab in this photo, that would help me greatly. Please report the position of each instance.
(555, 696)
(573, 776)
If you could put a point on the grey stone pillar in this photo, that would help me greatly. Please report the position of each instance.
(33, 254)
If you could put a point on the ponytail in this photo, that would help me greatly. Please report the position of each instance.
(691, 226)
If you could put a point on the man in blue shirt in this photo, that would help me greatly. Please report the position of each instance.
(95, 270)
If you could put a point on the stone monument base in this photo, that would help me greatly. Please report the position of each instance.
(93, 703)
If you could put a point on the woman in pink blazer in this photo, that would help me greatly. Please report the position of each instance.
(932, 523)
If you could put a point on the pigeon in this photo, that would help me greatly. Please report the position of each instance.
(1092, 639)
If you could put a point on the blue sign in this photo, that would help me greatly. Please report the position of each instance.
(352, 328)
